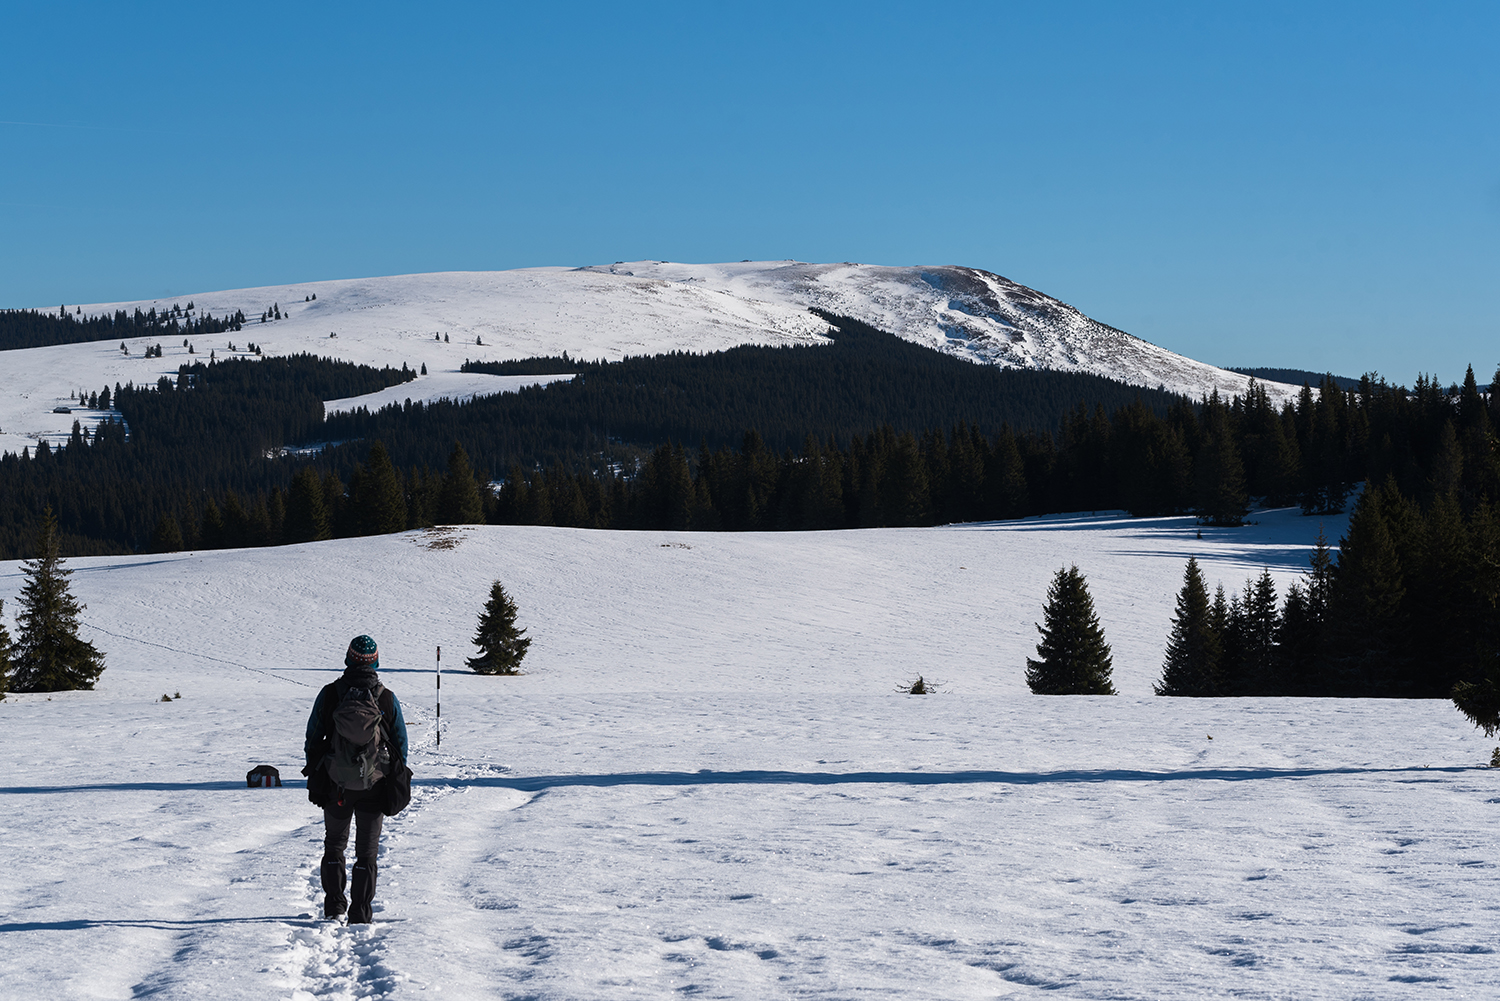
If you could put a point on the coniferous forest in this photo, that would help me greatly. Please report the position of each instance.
(870, 431)
(27, 328)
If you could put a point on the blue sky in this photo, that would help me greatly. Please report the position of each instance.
(1313, 186)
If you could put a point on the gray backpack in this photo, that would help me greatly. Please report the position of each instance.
(355, 760)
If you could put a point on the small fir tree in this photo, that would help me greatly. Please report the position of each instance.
(1074, 657)
(1192, 665)
(501, 645)
(49, 655)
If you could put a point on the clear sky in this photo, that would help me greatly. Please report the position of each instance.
(1303, 185)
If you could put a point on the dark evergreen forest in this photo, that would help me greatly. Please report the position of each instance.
(1296, 376)
(865, 380)
(203, 439)
(867, 432)
(1408, 610)
(27, 328)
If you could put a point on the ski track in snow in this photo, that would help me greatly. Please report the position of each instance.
(706, 785)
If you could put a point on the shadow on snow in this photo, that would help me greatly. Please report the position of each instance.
(537, 783)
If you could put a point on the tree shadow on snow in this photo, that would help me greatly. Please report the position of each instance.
(540, 783)
(81, 924)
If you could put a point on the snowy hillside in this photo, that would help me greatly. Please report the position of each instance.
(961, 311)
(707, 785)
(608, 312)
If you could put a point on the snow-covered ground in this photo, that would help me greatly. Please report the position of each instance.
(706, 784)
(460, 387)
(625, 309)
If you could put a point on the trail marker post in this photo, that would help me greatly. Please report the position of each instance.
(439, 696)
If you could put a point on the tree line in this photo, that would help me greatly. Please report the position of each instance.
(1408, 608)
(229, 437)
(1207, 458)
(219, 432)
(29, 328)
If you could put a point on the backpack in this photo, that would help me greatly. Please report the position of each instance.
(355, 760)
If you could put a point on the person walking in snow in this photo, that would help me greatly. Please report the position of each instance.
(356, 758)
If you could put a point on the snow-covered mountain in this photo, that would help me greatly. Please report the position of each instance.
(961, 311)
(610, 311)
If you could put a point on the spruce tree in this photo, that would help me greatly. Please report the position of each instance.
(1192, 664)
(1218, 469)
(379, 497)
(459, 501)
(501, 645)
(1368, 630)
(5, 648)
(1296, 646)
(1074, 657)
(168, 537)
(49, 655)
(306, 514)
(1258, 665)
(211, 535)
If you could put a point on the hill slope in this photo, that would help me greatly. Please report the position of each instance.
(606, 312)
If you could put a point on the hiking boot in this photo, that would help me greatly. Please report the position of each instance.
(334, 901)
(361, 893)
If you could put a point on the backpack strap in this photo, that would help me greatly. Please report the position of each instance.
(387, 702)
(329, 699)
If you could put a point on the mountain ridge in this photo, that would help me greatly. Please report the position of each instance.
(650, 307)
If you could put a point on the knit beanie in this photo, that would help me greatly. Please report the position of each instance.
(362, 654)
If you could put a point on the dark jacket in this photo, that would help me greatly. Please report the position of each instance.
(320, 723)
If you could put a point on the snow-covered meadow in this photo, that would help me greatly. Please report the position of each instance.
(707, 785)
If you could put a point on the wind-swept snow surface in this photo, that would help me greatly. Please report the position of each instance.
(608, 312)
(707, 785)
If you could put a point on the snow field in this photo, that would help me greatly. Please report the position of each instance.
(707, 785)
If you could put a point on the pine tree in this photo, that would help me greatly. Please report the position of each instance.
(168, 536)
(1367, 624)
(306, 513)
(459, 501)
(379, 497)
(5, 648)
(1192, 665)
(49, 656)
(501, 645)
(211, 536)
(1296, 646)
(1074, 657)
(1219, 472)
(1258, 661)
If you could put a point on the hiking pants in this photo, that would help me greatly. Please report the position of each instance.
(367, 822)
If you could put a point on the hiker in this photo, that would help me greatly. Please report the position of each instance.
(356, 759)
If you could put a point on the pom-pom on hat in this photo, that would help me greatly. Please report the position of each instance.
(362, 653)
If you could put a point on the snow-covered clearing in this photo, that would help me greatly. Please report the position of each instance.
(460, 387)
(706, 784)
